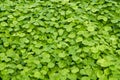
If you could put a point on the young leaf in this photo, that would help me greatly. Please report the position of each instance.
(72, 35)
(60, 31)
(74, 69)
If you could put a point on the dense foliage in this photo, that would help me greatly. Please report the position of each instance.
(60, 39)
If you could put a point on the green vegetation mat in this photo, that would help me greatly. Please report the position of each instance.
(60, 39)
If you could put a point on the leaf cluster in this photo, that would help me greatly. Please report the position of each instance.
(59, 40)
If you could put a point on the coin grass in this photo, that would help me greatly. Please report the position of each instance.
(59, 40)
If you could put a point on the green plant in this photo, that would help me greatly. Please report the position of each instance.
(59, 40)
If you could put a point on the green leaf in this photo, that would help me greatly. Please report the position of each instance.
(72, 35)
(94, 50)
(65, 1)
(100, 17)
(44, 72)
(72, 76)
(104, 62)
(74, 69)
(37, 74)
(4, 24)
(26, 40)
(10, 53)
(107, 71)
(2, 66)
(10, 16)
(65, 71)
(75, 57)
(68, 28)
(85, 78)
(90, 28)
(113, 78)
(70, 19)
(45, 55)
(107, 28)
(79, 39)
(19, 66)
(51, 65)
(10, 71)
(61, 64)
(118, 51)
(6, 44)
(62, 54)
(60, 31)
